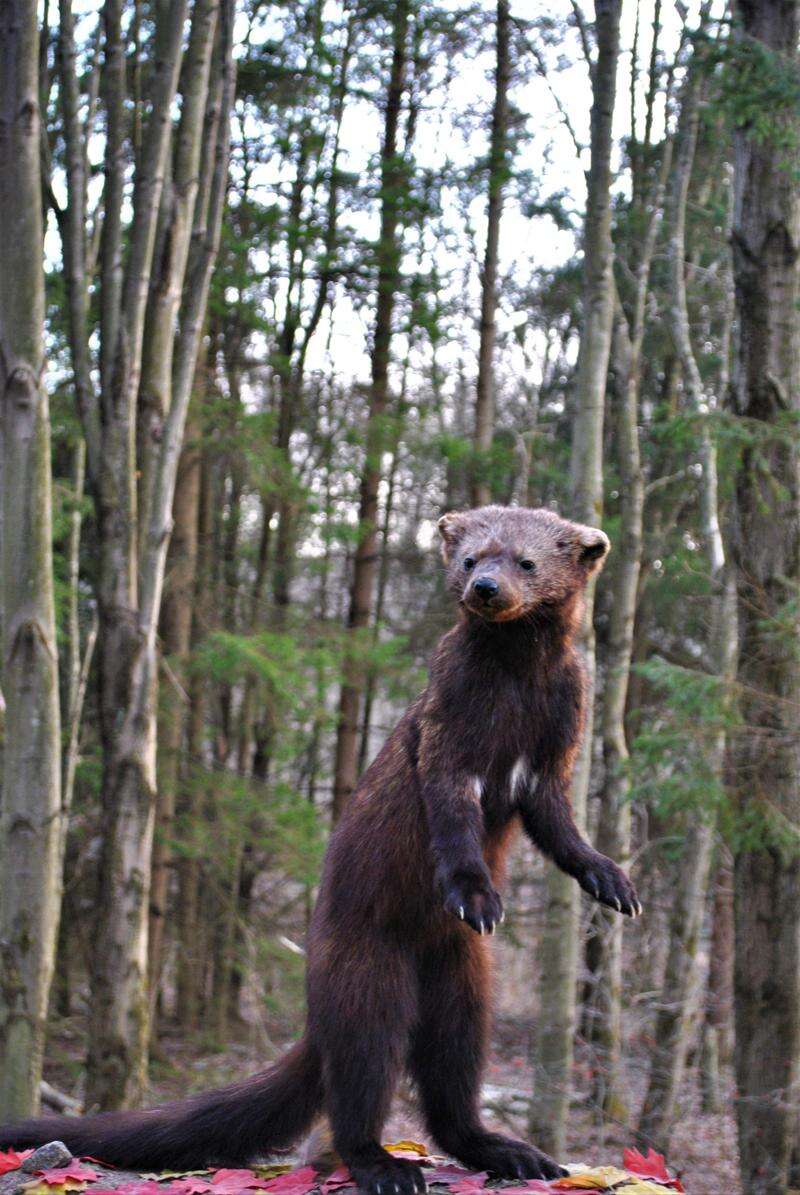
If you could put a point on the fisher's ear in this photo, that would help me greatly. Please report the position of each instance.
(593, 547)
(451, 528)
(590, 544)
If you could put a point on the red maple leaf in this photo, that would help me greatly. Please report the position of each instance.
(192, 1185)
(447, 1174)
(75, 1171)
(147, 1186)
(653, 1166)
(11, 1160)
(296, 1182)
(341, 1177)
(471, 1184)
(229, 1182)
(530, 1184)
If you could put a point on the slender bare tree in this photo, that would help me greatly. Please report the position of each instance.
(681, 987)
(132, 489)
(559, 951)
(30, 830)
(365, 567)
(498, 168)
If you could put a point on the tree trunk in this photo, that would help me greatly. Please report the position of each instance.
(498, 170)
(559, 949)
(681, 986)
(366, 558)
(79, 659)
(133, 543)
(765, 548)
(176, 634)
(604, 950)
(716, 1042)
(190, 954)
(30, 830)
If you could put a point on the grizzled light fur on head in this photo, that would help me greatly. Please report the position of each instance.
(536, 558)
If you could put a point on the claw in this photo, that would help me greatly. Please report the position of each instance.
(480, 931)
(397, 1188)
(492, 927)
(618, 903)
(502, 916)
(378, 1188)
(461, 912)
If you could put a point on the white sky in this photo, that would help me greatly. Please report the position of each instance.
(454, 122)
(548, 152)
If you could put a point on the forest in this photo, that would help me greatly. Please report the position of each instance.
(281, 283)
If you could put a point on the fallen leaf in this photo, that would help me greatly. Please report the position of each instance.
(37, 1187)
(653, 1166)
(295, 1182)
(599, 1178)
(405, 1149)
(446, 1174)
(340, 1177)
(230, 1181)
(76, 1172)
(10, 1159)
(642, 1186)
(161, 1175)
(272, 1171)
(148, 1187)
(191, 1185)
(469, 1184)
(530, 1184)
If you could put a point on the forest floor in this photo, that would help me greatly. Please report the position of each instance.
(702, 1151)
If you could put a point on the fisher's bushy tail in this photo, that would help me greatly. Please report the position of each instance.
(230, 1126)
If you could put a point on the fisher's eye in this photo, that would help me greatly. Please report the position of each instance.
(469, 563)
(528, 565)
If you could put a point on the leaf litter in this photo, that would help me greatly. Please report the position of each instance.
(639, 1175)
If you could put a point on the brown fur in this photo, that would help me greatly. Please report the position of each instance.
(398, 949)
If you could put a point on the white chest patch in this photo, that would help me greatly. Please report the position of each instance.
(520, 777)
(476, 788)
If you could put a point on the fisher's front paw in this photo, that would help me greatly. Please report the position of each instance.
(474, 899)
(388, 1176)
(608, 885)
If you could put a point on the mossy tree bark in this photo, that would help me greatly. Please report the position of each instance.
(765, 552)
(560, 944)
(30, 829)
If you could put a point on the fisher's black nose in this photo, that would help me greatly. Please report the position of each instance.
(486, 588)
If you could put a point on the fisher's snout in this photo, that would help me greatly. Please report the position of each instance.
(485, 588)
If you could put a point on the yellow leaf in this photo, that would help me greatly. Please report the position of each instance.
(37, 1187)
(414, 1147)
(598, 1178)
(156, 1177)
(271, 1171)
(642, 1186)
